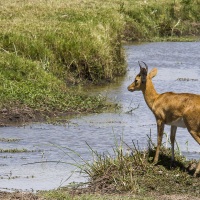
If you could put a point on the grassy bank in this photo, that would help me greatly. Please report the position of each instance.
(128, 173)
(47, 46)
(169, 20)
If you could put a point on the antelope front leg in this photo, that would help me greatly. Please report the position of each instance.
(172, 138)
(160, 129)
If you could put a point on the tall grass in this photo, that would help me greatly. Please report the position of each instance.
(148, 20)
(72, 40)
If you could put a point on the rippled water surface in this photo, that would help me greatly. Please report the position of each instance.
(178, 70)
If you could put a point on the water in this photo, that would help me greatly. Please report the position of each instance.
(30, 171)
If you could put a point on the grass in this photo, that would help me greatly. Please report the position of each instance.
(9, 140)
(47, 46)
(14, 151)
(166, 20)
(25, 82)
(69, 39)
(133, 171)
(128, 173)
(64, 195)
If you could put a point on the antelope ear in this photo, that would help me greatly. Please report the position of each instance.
(153, 73)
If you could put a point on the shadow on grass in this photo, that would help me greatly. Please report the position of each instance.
(179, 162)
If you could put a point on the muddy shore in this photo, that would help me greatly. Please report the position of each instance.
(17, 116)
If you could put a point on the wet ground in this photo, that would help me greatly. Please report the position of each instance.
(36, 156)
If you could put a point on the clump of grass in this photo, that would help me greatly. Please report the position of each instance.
(133, 171)
(9, 140)
(14, 151)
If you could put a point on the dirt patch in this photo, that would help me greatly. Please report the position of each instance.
(16, 116)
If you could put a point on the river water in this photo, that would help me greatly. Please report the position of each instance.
(178, 70)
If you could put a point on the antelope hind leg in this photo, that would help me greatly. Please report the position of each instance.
(197, 172)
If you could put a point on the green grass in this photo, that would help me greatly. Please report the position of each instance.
(47, 46)
(65, 195)
(69, 39)
(25, 83)
(166, 19)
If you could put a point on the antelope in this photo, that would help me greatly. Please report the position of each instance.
(175, 109)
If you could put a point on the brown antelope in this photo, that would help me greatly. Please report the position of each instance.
(175, 109)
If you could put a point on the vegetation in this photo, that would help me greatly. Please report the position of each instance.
(65, 195)
(14, 150)
(47, 46)
(128, 170)
(163, 20)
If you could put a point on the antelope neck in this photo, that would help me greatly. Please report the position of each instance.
(149, 92)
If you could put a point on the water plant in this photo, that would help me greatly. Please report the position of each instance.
(14, 150)
(9, 140)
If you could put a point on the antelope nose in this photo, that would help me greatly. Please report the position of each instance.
(129, 88)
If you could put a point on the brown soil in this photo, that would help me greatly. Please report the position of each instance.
(16, 116)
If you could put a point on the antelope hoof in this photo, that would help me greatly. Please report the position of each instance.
(172, 164)
(155, 161)
(196, 174)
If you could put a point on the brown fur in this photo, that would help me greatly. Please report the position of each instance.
(169, 108)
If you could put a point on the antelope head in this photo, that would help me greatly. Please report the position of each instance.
(141, 79)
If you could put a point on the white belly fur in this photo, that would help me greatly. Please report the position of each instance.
(179, 123)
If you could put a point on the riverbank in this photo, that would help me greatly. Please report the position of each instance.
(48, 47)
(127, 176)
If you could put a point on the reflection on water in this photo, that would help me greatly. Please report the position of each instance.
(176, 62)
